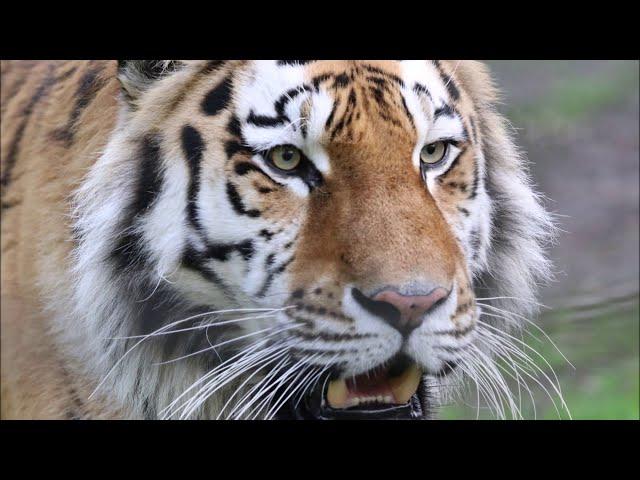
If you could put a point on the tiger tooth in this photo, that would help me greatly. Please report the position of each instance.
(404, 386)
(337, 393)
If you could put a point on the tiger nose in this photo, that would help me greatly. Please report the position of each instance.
(405, 313)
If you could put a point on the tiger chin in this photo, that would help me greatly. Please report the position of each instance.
(258, 240)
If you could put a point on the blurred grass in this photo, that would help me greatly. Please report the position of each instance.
(574, 97)
(605, 382)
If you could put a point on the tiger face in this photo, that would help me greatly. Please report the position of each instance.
(346, 207)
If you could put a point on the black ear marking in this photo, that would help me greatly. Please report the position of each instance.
(137, 75)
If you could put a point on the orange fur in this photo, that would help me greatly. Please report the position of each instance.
(39, 172)
(371, 223)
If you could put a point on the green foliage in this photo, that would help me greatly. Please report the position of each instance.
(605, 382)
(574, 98)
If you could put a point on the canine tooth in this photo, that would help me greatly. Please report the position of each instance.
(404, 386)
(337, 393)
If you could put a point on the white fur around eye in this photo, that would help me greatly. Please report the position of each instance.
(446, 126)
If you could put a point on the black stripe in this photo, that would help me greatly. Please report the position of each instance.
(195, 261)
(14, 145)
(455, 333)
(265, 286)
(316, 81)
(285, 98)
(237, 204)
(385, 74)
(282, 63)
(221, 251)
(449, 367)
(265, 121)
(406, 110)
(331, 115)
(279, 106)
(352, 99)
(475, 242)
(88, 87)
(476, 180)
(326, 336)
(338, 128)
(474, 131)
(245, 248)
(341, 80)
(446, 110)
(231, 147)
(193, 146)
(243, 168)
(76, 411)
(210, 67)
(7, 205)
(449, 82)
(129, 250)
(150, 176)
(218, 98)
(65, 75)
(378, 94)
(380, 81)
(233, 127)
(269, 261)
(284, 266)
(266, 234)
(272, 273)
(419, 88)
(236, 144)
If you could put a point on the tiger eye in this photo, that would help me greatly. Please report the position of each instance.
(285, 157)
(433, 152)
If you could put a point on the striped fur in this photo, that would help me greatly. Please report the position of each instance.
(138, 195)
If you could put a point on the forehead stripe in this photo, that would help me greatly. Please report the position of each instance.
(279, 106)
(266, 121)
(448, 81)
(294, 63)
(445, 110)
(407, 112)
(419, 88)
(383, 73)
(218, 98)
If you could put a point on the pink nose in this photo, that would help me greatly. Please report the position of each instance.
(412, 308)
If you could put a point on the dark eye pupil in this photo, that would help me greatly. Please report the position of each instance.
(287, 155)
(431, 148)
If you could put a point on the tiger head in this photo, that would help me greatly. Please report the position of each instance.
(315, 231)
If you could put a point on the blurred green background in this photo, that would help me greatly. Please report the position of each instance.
(578, 123)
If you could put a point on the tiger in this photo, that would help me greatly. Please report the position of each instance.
(270, 239)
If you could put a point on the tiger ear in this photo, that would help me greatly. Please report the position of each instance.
(136, 76)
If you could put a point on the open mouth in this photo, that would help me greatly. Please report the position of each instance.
(392, 391)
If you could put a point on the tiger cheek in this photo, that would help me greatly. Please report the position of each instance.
(456, 190)
(275, 203)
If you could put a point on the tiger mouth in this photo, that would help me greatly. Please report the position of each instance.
(392, 391)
